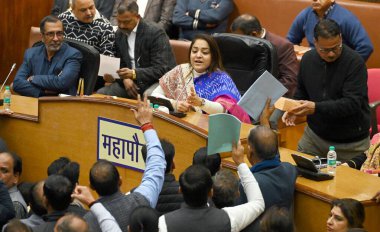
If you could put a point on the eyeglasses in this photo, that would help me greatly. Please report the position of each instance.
(52, 34)
(335, 49)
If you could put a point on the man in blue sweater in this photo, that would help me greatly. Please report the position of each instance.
(353, 33)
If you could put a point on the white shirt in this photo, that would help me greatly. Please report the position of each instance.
(131, 45)
(242, 215)
(142, 7)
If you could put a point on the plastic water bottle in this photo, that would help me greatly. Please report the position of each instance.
(7, 99)
(331, 161)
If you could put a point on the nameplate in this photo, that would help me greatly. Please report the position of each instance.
(120, 143)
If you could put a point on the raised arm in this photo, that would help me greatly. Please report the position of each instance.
(106, 221)
(153, 177)
(243, 215)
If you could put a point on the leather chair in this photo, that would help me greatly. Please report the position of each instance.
(374, 99)
(180, 50)
(245, 58)
(90, 64)
(34, 36)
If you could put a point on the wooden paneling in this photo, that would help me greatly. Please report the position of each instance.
(16, 18)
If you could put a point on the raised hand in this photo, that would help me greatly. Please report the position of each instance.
(144, 113)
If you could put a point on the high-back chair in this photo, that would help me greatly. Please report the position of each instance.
(89, 66)
(181, 50)
(245, 58)
(374, 98)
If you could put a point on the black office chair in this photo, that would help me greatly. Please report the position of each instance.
(245, 58)
(90, 64)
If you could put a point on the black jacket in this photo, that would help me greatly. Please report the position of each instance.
(339, 90)
(169, 199)
(153, 54)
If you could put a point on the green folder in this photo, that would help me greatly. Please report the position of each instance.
(223, 130)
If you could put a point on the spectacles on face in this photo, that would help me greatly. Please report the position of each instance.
(335, 49)
(52, 34)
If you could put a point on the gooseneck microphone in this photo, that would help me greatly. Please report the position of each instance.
(10, 71)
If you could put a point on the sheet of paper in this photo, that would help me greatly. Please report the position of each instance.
(286, 104)
(109, 65)
(266, 86)
(223, 129)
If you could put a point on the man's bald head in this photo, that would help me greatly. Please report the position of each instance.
(104, 178)
(263, 142)
(71, 223)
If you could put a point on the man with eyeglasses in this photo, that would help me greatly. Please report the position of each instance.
(332, 89)
(50, 68)
(353, 33)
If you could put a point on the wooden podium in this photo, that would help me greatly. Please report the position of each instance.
(41, 130)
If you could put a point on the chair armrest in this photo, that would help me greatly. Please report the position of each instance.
(373, 108)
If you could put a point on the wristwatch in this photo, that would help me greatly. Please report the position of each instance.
(133, 74)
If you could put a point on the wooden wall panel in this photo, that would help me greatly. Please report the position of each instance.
(16, 18)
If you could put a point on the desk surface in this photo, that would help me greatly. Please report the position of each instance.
(68, 127)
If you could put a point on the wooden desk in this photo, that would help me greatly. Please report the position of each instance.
(68, 127)
(312, 198)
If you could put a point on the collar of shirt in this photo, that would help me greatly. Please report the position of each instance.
(264, 33)
(328, 10)
(12, 189)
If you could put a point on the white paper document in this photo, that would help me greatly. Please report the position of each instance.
(266, 86)
(109, 65)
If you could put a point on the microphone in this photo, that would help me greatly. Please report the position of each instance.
(12, 68)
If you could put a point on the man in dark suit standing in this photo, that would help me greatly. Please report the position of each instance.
(145, 54)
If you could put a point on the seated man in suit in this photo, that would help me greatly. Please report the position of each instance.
(50, 68)
(10, 171)
(145, 54)
(353, 33)
(85, 24)
(276, 179)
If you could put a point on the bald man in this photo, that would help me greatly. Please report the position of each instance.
(276, 179)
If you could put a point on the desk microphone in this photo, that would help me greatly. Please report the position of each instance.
(12, 68)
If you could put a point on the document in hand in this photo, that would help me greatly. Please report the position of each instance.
(223, 129)
(109, 65)
(266, 86)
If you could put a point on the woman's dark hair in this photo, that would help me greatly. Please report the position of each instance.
(143, 219)
(276, 219)
(216, 58)
(352, 210)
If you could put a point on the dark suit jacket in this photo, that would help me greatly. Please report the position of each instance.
(153, 54)
(288, 64)
(158, 11)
